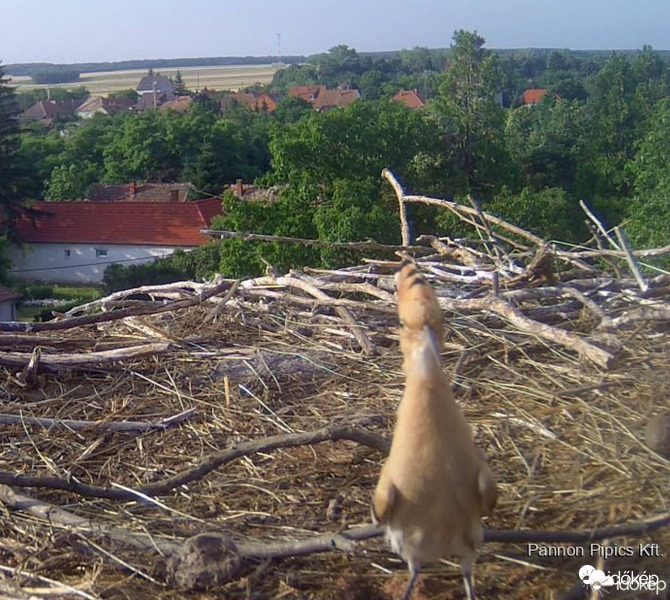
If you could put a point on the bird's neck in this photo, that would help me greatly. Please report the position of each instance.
(421, 356)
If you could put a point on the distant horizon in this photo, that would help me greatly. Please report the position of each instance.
(76, 31)
(275, 56)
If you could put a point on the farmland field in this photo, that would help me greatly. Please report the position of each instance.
(228, 77)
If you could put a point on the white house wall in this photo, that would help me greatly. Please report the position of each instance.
(78, 263)
(8, 310)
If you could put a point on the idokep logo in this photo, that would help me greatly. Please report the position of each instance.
(595, 577)
(623, 580)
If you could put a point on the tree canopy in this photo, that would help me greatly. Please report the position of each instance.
(600, 133)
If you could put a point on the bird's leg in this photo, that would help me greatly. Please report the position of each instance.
(414, 573)
(467, 580)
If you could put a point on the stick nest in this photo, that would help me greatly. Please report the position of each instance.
(563, 431)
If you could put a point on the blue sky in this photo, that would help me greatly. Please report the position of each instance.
(85, 30)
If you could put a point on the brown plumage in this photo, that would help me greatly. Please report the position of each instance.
(435, 486)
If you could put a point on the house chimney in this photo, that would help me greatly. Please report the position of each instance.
(133, 189)
(239, 188)
(174, 195)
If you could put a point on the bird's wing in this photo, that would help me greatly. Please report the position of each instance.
(488, 490)
(384, 499)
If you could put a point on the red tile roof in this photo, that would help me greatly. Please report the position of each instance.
(140, 192)
(307, 92)
(241, 98)
(410, 98)
(533, 96)
(45, 109)
(264, 103)
(104, 105)
(336, 98)
(145, 223)
(7, 294)
(180, 104)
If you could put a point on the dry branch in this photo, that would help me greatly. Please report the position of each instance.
(601, 357)
(64, 360)
(259, 237)
(363, 340)
(332, 433)
(635, 269)
(149, 308)
(58, 516)
(400, 194)
(598, 225)
(118, 426)
(219, 559)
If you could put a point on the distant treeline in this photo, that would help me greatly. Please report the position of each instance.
(32, 69)
(60, 76)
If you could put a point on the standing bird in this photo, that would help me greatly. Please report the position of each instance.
(435, 485)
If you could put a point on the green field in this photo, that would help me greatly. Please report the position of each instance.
(196, 78)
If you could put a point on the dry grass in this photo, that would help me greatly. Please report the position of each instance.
(229, 77)
(564, 437)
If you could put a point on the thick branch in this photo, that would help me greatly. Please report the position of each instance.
(218, 558)
(400, 194)
(625, 246)
(63, 360)
(332, 433)
(57, 515)
(561, 336)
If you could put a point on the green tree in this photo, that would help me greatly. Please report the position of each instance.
(337, 65)
(649, 213)
(129, 94)
(291, 215)
(351, 143)
(39, 152)
(471, 117)
(71, 182)
(222, 158)
(140, 149)
(371, 85)
(546, 143)
(179, 85)
(612, 140)
(549, 213)
(5, 263)
(291, 110)
(11, 204)
(418, 60)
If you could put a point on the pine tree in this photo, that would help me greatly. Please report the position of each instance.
(178, 85)
(474, 120)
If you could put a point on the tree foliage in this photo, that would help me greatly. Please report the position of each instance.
(649, 212)
(11, 200)
(471, 117)
(600, 133)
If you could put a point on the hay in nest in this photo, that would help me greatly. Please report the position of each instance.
(257, 413)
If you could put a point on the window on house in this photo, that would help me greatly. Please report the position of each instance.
(100, 252)
(68, 253)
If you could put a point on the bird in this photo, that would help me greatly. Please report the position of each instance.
(435, 485)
